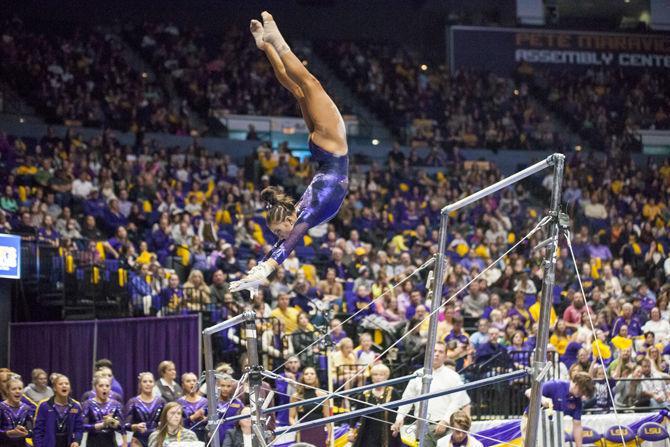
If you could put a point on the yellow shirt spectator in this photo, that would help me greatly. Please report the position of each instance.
(288, 316)
(534, 311)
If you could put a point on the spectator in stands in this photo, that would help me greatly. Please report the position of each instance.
(628, 393)
(370, 430)
(38, 390)
(330, 290)
(196, 292)
(560, 338)
(309, 389)
(166, 386)
(303, 340)
(287, 315)
(475, 302)
(439, 409)
(241, 435)
(492, 348)
(481, 336)
(343, 363)
(171, 429)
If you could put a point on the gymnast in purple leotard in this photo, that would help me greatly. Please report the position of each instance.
(328, 147)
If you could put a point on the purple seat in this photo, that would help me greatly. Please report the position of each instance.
(652, 432)
(589, 436)
(614, 434)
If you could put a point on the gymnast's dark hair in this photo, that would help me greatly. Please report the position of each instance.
(279, 206)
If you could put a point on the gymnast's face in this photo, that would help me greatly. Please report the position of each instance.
(283, 229)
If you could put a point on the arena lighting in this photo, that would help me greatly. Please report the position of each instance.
(375, 142)
(144, 74)
(21, 120)
(516, 92)
(578, 147)
(305, 62)
(424, 67)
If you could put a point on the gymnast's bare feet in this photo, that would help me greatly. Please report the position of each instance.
(272, 35)
(256, 29)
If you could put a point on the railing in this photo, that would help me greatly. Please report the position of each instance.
(502, 400)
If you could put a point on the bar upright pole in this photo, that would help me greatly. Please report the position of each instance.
(211, 389)
(436, 303)
(540, 353)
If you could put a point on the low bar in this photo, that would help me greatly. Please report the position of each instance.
(321, 399)
(389, 405)
(241, 318)
(530, 170)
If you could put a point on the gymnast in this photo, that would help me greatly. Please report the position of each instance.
(323, 197)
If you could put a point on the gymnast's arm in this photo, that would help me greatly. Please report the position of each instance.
(279, 253)
(577, 432)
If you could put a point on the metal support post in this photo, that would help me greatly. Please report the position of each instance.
(258, 422)
(438, 278)
(210, 377)
(211, 389)
(540, 353)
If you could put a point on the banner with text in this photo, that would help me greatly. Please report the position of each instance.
(501, 50)
(10, 256)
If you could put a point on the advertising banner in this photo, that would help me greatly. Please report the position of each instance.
(501, 50)
(10, 256)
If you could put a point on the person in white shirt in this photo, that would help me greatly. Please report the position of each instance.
(657, 325)
(441, 408)
(82, 186)
(460, 424)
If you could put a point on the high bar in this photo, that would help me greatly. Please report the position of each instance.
(394, 404)
(241, 318)
(530, 170)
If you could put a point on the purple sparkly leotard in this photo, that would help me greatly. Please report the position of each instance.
(320, 202)
(138, 411)
(188, 408)
(95, 412)
(10, 418)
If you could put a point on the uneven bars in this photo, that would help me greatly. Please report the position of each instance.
(324, 398)
(241, 318)
(530, 170)
(393, 404)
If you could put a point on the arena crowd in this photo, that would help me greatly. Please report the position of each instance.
(183, 223)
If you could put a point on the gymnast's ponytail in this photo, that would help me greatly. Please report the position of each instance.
(279, 206)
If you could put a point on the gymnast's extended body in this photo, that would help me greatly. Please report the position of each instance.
(321, 201)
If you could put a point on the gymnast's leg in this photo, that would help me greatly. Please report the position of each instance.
(280, 71)
(328, 126)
